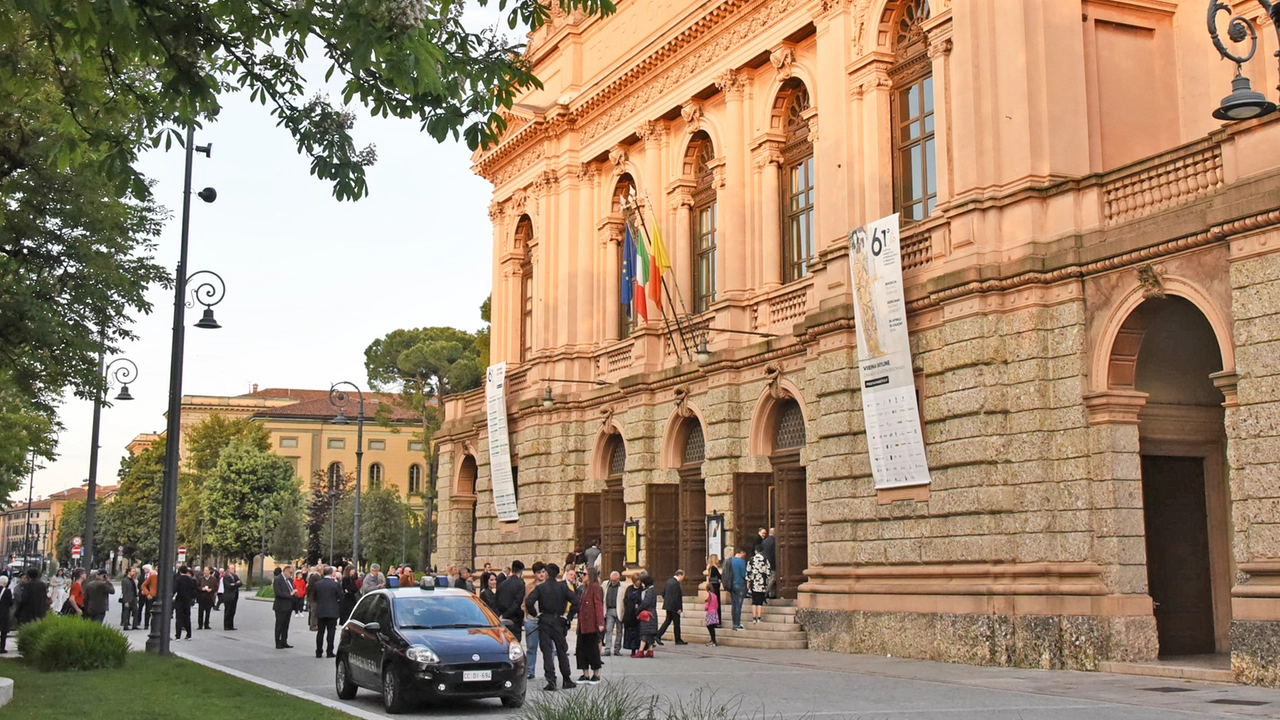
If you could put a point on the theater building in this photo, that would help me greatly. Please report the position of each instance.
(1091, 264)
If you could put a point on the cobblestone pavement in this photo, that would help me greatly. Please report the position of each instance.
(783, 684)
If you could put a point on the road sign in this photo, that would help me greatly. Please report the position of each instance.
(182, 553)
(75, 552)
(76, 542)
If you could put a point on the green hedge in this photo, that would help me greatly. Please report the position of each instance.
(71, 643)
(267, 591)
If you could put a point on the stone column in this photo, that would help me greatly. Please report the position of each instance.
(583, 260)
(610, 241)
(682, 202)
(769, 160)
(731, 240)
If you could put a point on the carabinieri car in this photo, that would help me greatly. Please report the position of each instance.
(424, 644)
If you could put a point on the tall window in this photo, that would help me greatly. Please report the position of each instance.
(375, 476)
(524, 234)
(915, 166)
(415, 479)
(335, 475)
(704, 226)
(626, 185)
(797, 201)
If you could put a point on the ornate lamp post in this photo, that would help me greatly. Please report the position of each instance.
(1244, 102)
(208, 291)
(123, 371)
(339, 398)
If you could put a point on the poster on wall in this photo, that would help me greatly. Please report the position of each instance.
(504, 487)
(631, 542)
(715, 536)
(895, 439)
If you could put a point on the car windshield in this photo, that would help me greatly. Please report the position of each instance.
(434, 613)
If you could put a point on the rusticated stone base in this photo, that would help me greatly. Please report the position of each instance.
(1255, 652)
(1035, 641)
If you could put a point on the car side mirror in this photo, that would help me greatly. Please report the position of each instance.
(508, 624)
(372, 627)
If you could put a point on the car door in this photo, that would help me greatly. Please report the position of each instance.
(383, 639)
(363, 651)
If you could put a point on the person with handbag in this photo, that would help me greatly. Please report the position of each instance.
(630, 616)
(647, 614)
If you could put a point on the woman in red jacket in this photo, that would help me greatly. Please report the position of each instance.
(590, 626)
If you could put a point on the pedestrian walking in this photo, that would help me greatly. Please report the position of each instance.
(510, 599)
(150, 588)
(206, 590)
(33, 603)
(630, 615)
(128, 598)
(97, 597)
(283, 604)
(184, 596)
(230, 597)
(673, 604)
(6, 606)
(614, 609)
(647, 614)
(736, 578)
(591, 613)
(58, 589)
(758, 583)
(532, 637)
(326, 602)
(350, 592)
(549, 601)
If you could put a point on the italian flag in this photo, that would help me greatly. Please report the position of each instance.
(641, 267)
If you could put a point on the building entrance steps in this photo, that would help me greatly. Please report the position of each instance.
(778, 629)
(1206, 668)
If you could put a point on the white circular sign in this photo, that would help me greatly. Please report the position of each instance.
(76, 542)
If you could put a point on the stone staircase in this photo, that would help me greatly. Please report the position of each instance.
(778, 630)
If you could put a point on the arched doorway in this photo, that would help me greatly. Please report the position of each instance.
(693, 505)
(465, 499)
(601, 516)
(1172, 350)
(778, 500)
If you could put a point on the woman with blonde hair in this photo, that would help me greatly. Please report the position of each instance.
(712, 603)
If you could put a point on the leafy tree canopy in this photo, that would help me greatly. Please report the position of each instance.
(287, 535)
(208, 439)
(132, 518)
(247, 483)
(70, 525)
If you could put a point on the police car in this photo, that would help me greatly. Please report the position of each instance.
(424, 644)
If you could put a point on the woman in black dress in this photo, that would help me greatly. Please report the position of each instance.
(489, 591)
(631, 623)
(350, 593)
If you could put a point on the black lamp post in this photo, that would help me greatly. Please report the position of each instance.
(208, 292)
(123, 371)
(549, 400)
(335, 489)
(1244, 102)
(339, 398)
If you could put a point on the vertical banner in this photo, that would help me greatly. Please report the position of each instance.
(504, 488)
(894, 436)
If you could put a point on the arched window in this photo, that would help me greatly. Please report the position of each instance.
(415, 479)
(335, 474)
(624, 188)
(915, 167)
(705, 221)
(375, 476)
(524, 235)
(797, 193)
(617, 457)
(789, 432)
(695, 446)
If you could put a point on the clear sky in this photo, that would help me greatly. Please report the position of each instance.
(310, 281)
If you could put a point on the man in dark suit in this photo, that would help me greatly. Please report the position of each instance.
(769, 548)
(128, 598)
(230, 596)
(327, 597)
(511, 599)
(283, 605)
(184, 596)
(673, 603)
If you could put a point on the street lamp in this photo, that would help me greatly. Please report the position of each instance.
(703, 354)
(548, 400)
(207, 293)
(1244, 102)
(339, 398)
(335, 489)
(123, 371)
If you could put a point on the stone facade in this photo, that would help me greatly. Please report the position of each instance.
(1092, 296)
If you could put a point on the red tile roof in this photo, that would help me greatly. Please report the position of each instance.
(320, 408)
(293, 393)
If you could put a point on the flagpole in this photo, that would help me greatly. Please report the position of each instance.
(665, 323)
(662, 281)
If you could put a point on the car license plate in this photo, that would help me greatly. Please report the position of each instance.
(476, 675)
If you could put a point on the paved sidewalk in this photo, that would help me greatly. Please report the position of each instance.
(783, 683)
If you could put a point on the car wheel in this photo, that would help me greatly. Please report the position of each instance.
(342, 681)
(392, 693)
(512, 701)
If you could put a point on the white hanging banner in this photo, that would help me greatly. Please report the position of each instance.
(504, 487)
(894, 437)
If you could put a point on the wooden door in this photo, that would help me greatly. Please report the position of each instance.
(1177, 534)
(586, 516)
(792, 528)
(693, 528)
(751, 493)
(662, 530)
(613, 525)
